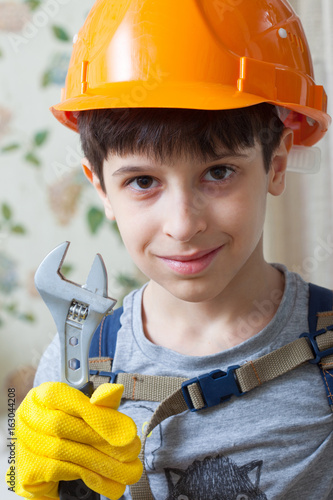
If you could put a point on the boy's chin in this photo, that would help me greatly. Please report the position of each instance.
(193, 290)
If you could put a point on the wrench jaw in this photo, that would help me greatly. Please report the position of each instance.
(97, 281)
(77, 311)
(49, 283)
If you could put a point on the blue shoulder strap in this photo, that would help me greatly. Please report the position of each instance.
(104, 341)
(321, 300)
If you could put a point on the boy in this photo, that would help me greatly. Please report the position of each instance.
(186, 123)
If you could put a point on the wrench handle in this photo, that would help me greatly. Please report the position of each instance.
(73, 490)
(87, 389)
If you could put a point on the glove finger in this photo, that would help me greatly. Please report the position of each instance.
(57, 423)
(29, 479)
(87, 457)
(118, 429)
(40, 476)
(76, 452)
(33, 428)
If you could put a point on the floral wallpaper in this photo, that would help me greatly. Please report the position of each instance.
(44, 196)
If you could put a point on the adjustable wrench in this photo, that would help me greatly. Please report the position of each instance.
(77, 311)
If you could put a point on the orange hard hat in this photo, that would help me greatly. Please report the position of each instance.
(195, 54)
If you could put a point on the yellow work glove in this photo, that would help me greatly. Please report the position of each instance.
(62, 435)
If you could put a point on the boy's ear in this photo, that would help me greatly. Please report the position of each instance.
(92, 177)
(87, 169)
(279, 163)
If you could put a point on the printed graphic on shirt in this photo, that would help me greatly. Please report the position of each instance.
(215, 478)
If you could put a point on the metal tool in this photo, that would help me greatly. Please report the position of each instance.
(77, 311)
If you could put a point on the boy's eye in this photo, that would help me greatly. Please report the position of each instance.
(220, 173)
(141, 183)
(146, 182)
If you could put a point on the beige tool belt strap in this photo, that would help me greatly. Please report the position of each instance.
(169, 390)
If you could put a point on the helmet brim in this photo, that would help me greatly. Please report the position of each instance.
(201, 96)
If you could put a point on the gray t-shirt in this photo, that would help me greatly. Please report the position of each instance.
(274, 443)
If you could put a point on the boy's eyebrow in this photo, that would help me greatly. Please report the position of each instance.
(131, 169)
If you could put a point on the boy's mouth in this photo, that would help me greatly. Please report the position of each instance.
(191, 263)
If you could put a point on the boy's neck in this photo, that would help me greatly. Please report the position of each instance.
(204, 328)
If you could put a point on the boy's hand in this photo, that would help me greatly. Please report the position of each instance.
(63, 435)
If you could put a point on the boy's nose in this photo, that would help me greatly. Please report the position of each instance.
(185, 217)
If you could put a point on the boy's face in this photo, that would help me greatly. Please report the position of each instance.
(192, 227)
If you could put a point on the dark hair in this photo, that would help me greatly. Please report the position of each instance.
(165, 133)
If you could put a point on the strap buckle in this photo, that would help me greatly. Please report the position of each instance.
(216, 387)
(317, 352)
(114, 376)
